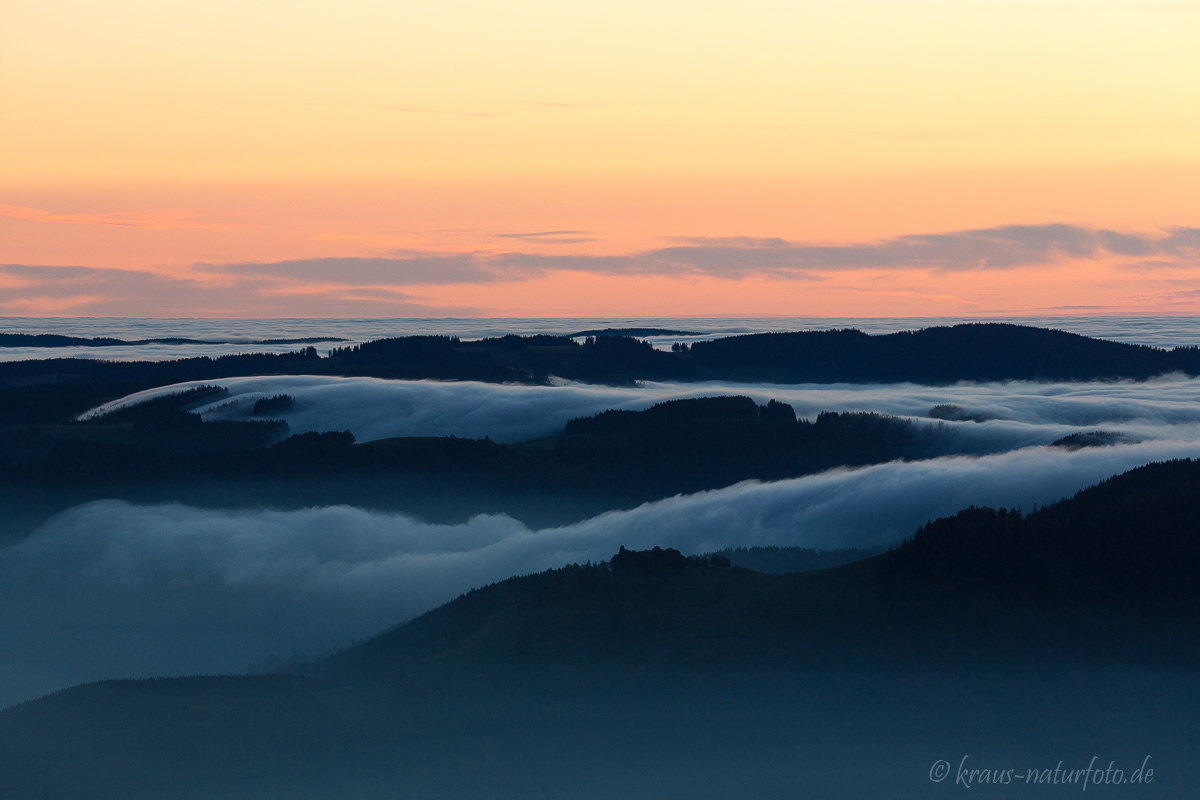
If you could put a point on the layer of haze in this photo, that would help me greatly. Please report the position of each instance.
(110, 589)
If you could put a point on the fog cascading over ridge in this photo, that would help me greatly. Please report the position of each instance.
(111, 589)
(1015, 414)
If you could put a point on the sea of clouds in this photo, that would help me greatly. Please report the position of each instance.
(112, 589)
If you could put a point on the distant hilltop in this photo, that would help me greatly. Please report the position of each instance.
(47, 390)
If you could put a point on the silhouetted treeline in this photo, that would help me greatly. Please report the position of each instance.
(164, 407)
(275, 404)
(685, 445)
(675, 412)
(53, 390)
(971, 352)
(617, 459)
(117, 443)
(419, 357)
(1134, 538)
(58, 389)
(663, 560)
(642, 460)
(1075, 441)
(632, 332)
(949, 411)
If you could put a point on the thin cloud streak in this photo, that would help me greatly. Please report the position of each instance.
(408, 269)
(999, 248)
(93, 291)
(551, 237)
(163, 219)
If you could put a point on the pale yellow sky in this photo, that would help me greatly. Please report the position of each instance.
(152, 136)
(134, 90)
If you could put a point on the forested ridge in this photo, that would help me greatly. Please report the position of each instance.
(52, 390)
(158, 449)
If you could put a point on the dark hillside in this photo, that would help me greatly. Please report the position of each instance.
(1017, 641)
(1128, 546)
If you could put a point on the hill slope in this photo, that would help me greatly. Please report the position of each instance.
(1016, 640)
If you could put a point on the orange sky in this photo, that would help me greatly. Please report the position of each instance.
(865, 158)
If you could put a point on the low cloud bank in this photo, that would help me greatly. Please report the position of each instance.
(111, 589)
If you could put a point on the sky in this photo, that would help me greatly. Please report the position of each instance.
(361, 158)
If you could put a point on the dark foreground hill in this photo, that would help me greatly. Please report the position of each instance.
(991, 641)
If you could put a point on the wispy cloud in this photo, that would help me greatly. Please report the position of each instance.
(541, 234)
(950, 298)
(728, 241)
(986, 248)
(160, 219)
(998, 248)
(392, 284)
(1189, 294)
(91, 291)
(1076, 308)
(551, 237)
(408, 268)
